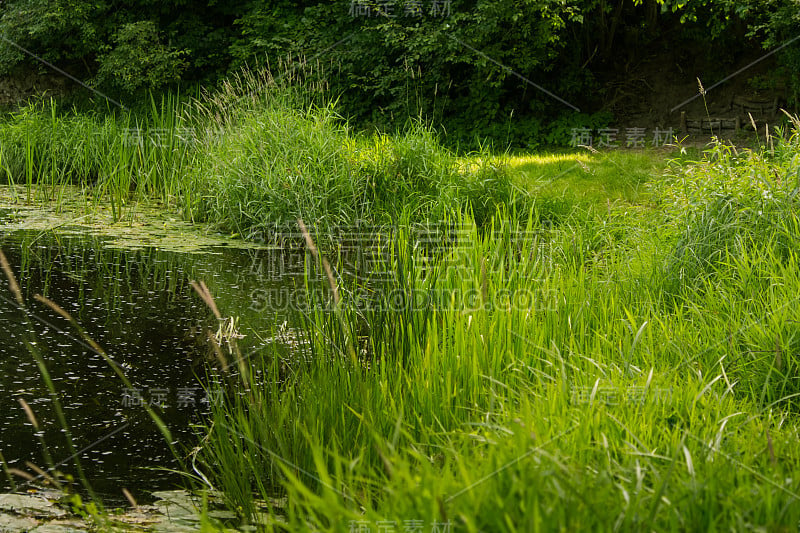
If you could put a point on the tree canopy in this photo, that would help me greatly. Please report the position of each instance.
(470, 63)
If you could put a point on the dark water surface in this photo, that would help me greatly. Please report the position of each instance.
(139, 306)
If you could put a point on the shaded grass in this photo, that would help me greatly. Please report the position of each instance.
(117, 157)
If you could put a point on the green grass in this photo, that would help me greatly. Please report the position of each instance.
(252, 158)
(603, 394)
(617, 349)
(119, 158)
(588, 178)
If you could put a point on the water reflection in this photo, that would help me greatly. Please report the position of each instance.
(138, 305)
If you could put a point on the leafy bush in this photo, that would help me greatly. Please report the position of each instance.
(139, 59)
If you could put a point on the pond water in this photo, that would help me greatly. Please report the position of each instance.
(129, 287)
(139, 306)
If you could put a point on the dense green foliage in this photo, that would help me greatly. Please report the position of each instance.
(566, 364)
(500, 69)
(556, 363)
(251, 158)
(627, 369)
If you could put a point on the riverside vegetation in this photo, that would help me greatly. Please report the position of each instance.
(435, 58)
(627, 360)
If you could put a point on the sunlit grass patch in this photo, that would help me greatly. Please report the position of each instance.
(585, 177)
(590, 394)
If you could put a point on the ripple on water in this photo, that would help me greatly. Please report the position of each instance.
(138, 305)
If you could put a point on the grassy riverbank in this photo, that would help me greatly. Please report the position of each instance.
(631, 367)
(252, 158)
(255, 156)
(580, 341)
